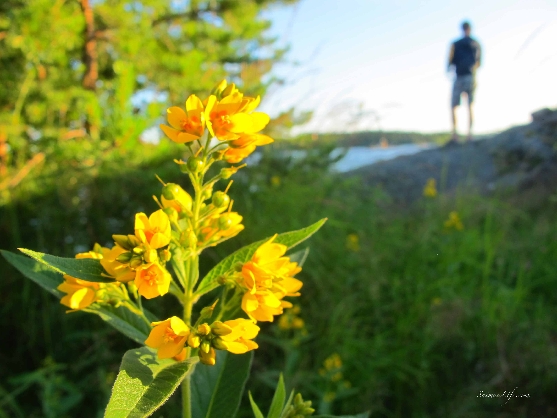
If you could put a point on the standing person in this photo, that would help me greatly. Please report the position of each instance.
(465, 56)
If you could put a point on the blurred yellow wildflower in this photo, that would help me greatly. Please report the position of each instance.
(168, 337)
(291, 320)
(430, 188)
(353, 242)
(275, 181)
(454, 221)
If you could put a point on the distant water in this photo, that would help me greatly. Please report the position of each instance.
(357, 157)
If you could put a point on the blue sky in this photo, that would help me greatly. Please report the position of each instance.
(382, 64)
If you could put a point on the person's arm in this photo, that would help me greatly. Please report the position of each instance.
(478, 56)
(451, 57)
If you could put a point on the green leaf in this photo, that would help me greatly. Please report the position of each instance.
(278, 400)
(144, 383)
(256, 411)
(81, 268)
(290, 239)
(41, 274)
(288, 403)
(362, 415)
(216, 390)
(128, 323)
(300, 257)
(121, 318)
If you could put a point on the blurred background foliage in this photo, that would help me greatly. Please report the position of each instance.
(400, 314)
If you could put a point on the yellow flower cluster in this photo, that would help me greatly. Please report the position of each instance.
(227, 115)
(291, 320)
(141, 257)
(170, 337)
(430, 188)
(454, 222)
(266, 279)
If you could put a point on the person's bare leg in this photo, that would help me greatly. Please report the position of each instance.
(455, 136)
(471, 120)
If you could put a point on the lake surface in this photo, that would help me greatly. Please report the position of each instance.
(357, 157)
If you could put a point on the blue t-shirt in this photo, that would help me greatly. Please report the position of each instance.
(467, 52)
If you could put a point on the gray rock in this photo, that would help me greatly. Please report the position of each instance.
(516, 159)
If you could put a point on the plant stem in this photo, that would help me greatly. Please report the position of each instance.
(186, 384)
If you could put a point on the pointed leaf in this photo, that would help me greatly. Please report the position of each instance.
(216, 390)
(128, 323)
(121, 318)
(287, 405)
(300, 257)
(256, 411)
(278, 400)
(41, 274)
(144, 383)
(362, 415)
(290, 239)
(81, 268)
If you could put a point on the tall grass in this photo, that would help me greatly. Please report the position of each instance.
(422, 316)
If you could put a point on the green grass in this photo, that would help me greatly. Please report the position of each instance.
(423, 318)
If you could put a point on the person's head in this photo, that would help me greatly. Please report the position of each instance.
(466, 28)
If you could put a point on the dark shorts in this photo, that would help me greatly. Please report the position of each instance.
(463, 84)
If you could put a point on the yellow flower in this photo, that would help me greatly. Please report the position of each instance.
(155, 230)
(430, 189)
(122, 272)
(152, 280)
(291, 320)
(454, 221)
(267, 279)
(244, 146)
(182, 200)
(186, 126)
(168, 337)
(80, 293)
(353, 242)
(233, 114)
(239, 340)
(226, 225)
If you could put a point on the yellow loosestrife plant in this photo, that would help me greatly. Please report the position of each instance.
(208, 354)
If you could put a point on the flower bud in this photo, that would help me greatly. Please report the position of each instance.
(165, 254)
(138, 250)
(207, 193)
(208, 358)
(151, 256)
(195, 165)
(219, 344)
(220, 329)
(172, 214)
(122, 241)
(205, 347)
(171, 191)
(225, 222)
(193, 340)
(135, 262)
(219, 88)
(203, 329)
(124, 257)
(221, 200)
(188, 239)
(226, 173)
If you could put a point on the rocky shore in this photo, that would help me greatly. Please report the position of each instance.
(520, 158)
